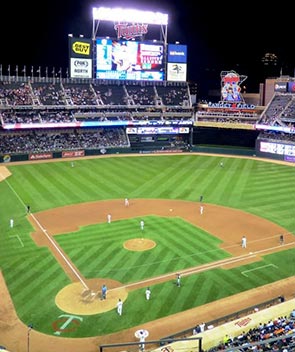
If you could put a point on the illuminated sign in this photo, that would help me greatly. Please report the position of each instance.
(231, 86)
(176, 72)
(277, 148)
(80, 53)
(126, 31)
(81, 48)
(280, 87)
(291, 87)
(177, 53)
(80, 68)
(157, 130)
(129, 60)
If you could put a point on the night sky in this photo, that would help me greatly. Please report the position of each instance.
(220, 37)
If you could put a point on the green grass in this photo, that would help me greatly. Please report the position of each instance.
(179, 245)
(34, 277)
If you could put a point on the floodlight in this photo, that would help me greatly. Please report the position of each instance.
(128, 15)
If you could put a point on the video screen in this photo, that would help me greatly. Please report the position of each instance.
(129, 60)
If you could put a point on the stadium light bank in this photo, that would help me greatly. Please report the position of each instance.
(128, 15)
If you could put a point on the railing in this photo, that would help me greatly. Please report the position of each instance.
(225, 319)
(142, 346)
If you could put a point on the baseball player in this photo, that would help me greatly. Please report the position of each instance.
(282, 239)
(142, 224)
(244, 242)
(109, 218)
(142, 340)
(126, 202)
(119, 307)
(201, 209)
(104, 290)
(148, 293)
(178, 280)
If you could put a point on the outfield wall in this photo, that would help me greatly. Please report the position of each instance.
(66, 154)
(87, 153)
(204, 140)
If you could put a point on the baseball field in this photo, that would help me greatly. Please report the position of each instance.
(56, 257)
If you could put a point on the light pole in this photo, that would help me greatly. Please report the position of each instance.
(30, 327)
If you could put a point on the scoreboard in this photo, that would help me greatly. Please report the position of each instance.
(129, 60)
(277, 148)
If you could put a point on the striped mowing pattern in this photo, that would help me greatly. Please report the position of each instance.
(34, 277)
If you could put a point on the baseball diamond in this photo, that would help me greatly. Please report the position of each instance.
(71, 235)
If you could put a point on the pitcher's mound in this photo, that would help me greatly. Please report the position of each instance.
(75, 299)
(139, 244)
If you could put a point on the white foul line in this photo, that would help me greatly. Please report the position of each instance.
(46, 234)
(17, 196)
(60, 252)
(260, 267)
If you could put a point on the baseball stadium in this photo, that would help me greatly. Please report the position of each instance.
(114, 182)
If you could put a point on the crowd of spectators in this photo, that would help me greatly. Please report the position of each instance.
(42, 102)
(52, 140)
(274, 335)
(280, 111)
(92, 94)
(68, 102)
(273, 136)
(227, 117)
(65, 104)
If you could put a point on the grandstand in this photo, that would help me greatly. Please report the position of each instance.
(60, 114)
(40, 116)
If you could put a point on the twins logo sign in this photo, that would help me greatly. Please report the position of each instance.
(68, 323)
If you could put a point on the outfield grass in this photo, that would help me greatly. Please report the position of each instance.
(34, 277)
